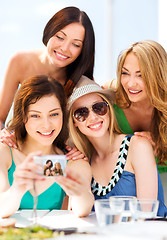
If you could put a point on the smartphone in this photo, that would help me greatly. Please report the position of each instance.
(52, 165)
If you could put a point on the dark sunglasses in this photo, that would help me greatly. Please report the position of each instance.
(81, 114)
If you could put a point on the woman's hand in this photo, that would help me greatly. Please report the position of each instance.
(74, 154)
(146, 135)
(8, 138)
(77, 185)
(26, 172)
(74, 184)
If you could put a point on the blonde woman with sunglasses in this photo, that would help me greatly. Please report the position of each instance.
(121, 164)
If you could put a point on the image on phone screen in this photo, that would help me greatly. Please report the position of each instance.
(52, 165)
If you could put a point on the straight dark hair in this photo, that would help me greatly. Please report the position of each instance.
(84, 64)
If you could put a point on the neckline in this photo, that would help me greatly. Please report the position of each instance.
(124, 120)
(97, 188)
(48, 189)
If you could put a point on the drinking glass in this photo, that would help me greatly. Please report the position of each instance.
(108, 212)
(127, 213)
(144, 209)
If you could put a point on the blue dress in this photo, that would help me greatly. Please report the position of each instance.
(123, 182)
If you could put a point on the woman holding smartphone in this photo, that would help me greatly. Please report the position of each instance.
(40, 125)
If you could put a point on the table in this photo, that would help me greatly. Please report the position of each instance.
(150, 230)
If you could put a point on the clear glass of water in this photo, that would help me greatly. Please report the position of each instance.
(108, 212)
(144, 209)
(127, 213)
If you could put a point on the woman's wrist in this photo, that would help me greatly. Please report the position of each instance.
(19, 190)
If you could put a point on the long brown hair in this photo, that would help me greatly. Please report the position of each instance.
(152, 59)
(84, 64)
(31, 90)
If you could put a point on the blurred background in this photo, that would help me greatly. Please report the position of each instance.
(117, 23)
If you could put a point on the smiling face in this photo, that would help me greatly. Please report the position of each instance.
(131, 79)
(52, 172)
(57, 166)
(47, 172)
(44, 120)
(94, 125)
(49, 163)
(66, 45)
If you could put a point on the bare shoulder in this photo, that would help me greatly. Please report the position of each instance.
(6, 155)
(4, 148)
(25, 57)
(80, 165)
(24, 64)
(138, 142)
(141, 151)
(79, 162)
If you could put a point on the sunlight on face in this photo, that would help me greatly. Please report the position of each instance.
(45, 119)
(131, 79)
(95, 125)
(66, 45)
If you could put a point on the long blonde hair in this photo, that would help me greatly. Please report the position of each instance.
(153, 67)
(80, 140)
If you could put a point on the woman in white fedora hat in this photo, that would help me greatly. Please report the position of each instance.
(121, 164)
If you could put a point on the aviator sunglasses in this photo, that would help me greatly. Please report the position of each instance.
(81, 114)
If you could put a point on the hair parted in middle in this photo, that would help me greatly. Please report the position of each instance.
(86, 86)
(30, 91)
(84, 64)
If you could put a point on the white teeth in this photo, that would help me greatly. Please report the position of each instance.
(95, 126)
(134, 91)
(46, 134)
(58, 54)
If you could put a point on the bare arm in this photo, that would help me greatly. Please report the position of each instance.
(77, 186)
(19, 68)
(23, 181)
(7, 193)
(9, 87)
(144, 165)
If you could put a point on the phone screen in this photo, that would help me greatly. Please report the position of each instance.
(52, 165)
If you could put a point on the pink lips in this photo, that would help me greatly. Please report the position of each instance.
(47, 135)
(96, 126)
(134, 91)
(61, 56)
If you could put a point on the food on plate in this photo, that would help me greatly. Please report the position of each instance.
(34, 232)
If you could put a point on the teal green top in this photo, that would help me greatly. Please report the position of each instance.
(126, 129)
(52, 198)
